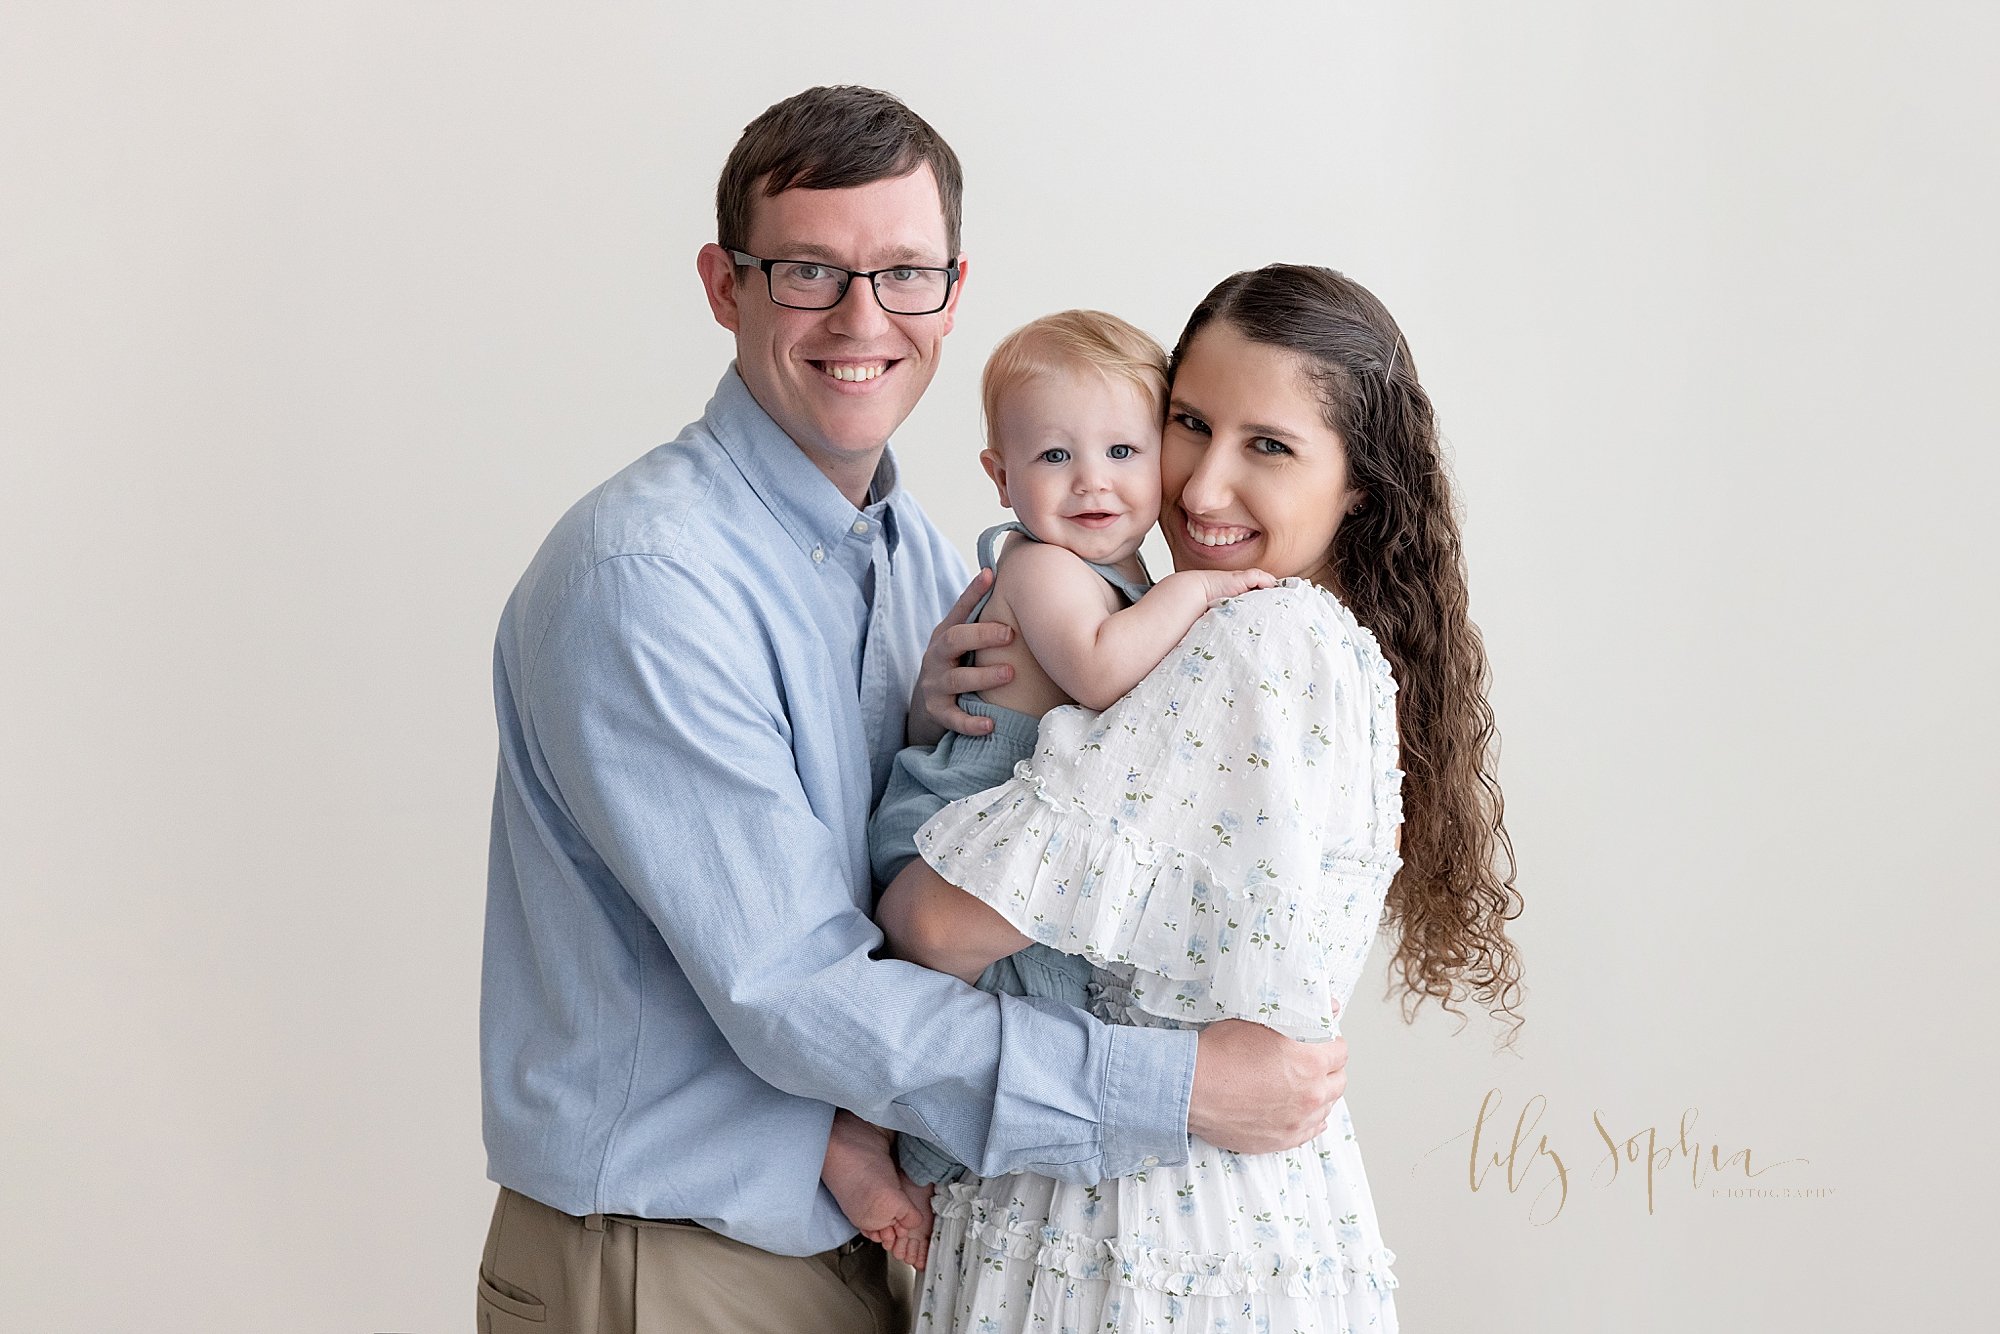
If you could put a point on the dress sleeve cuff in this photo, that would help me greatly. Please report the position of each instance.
(1148, 1079)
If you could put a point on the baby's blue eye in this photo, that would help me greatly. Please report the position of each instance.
(1121, 451)
(1057, 455)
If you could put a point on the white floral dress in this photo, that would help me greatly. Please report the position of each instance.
(1218, 843)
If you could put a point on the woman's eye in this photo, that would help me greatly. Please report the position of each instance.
(1121, 451)
(1188, 421)
(1263, 444)
(1057, 455)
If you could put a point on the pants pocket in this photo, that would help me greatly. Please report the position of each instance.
(505, 1309)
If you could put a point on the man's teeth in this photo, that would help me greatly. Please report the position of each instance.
(1217, 537)
(857, 373)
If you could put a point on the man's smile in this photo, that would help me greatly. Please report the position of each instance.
(851, 375)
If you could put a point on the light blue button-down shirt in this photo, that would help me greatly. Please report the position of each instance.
(701, 683)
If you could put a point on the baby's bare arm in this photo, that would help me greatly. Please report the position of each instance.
(1093, 652)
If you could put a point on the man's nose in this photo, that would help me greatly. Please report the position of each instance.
(858, 314)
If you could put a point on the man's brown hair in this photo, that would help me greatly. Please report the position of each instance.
(833, 139)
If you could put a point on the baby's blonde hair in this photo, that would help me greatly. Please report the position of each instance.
(1071, 340)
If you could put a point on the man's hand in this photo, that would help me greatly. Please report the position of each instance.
(1257, 1091)
(934, 703)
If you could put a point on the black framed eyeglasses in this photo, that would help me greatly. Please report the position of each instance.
(807, 284)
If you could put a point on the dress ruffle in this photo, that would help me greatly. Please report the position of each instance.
(1242, 873)
(1223, 1241)
(997, 1236)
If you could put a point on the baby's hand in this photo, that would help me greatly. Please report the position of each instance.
(1220, 584)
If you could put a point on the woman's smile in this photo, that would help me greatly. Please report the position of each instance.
(1216, 537)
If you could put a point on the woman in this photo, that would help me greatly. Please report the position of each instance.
(1224, 840)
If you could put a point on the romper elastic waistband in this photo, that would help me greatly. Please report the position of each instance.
(1011, 728)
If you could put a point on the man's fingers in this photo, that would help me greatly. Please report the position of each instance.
(963, 723)
(968, 599)
(972, 680)
(955, 641)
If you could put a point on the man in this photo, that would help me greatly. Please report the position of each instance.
(701, 682)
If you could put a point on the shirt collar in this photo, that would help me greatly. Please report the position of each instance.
(805, 502)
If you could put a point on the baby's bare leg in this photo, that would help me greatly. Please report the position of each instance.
(932, 922)
(860, 1169)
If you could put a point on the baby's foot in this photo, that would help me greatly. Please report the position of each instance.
(890, 1209)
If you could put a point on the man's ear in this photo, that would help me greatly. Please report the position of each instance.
(718, 279)
(996, 468)
(957, 290)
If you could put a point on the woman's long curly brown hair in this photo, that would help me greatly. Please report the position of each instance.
(1398, 565)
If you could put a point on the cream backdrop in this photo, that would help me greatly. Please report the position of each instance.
(316, 316)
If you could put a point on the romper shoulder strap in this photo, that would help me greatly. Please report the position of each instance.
(989, 553)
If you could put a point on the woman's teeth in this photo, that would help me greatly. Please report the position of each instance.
(1206, 536)
(854, 373)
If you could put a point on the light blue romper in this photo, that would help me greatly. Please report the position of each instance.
(923, 782)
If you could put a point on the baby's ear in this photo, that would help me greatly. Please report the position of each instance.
(996, 468)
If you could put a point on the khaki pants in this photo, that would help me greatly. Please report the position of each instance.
(547, 1272)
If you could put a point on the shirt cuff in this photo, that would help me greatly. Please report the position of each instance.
(1148, 1080)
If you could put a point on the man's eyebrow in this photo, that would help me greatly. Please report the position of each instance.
(909, 254)
(900, 255)
(804, 250)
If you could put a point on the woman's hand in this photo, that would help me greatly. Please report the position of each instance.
(934, 703)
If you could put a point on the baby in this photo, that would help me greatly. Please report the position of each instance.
(1074, 406)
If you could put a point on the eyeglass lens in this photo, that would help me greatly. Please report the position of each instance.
(911, 291)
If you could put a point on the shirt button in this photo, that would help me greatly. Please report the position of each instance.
(819, 554)
(1149, 1161)
(860, 525)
